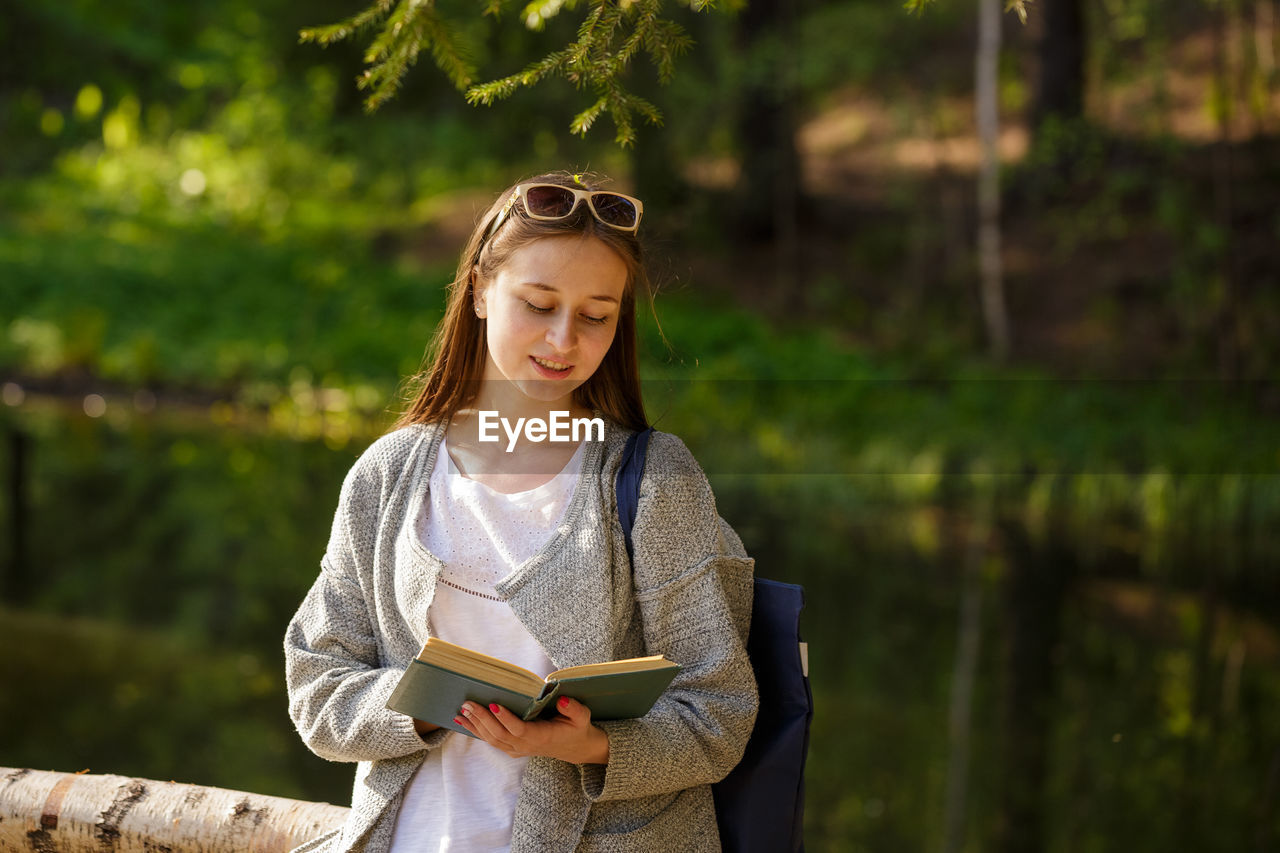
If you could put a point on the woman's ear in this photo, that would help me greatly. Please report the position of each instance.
(478, 290)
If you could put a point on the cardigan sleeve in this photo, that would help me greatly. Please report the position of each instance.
(693, 587)
(337, 686)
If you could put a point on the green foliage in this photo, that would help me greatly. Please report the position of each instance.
(175, 227)
(1153, 209)
(143, 300)
(110, 698)
(890, 54)
(611, 35)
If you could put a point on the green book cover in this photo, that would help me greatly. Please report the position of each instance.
(443, 676)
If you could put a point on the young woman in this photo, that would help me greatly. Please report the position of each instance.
(514, 548)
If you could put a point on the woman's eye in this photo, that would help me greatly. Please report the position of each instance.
(598, 321)
(537, 309)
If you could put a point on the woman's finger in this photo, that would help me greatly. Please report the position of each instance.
(466, 723)
(477, 716)
(577, 713)
(510, 723)
(486, 726)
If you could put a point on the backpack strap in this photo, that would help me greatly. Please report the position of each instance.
(627, 486)
(760, 804)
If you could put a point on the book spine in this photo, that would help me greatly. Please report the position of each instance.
(549, 694)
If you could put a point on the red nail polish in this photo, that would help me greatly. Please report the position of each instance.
(564, 702)
(457, 720)
(493, 708)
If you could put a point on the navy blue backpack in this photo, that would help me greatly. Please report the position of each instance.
(760, 804)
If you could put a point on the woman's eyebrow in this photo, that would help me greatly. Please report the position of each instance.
(537, 285)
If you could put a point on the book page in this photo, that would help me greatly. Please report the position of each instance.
(610, 667)
(480, 666)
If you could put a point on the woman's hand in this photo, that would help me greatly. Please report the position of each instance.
(569, 736)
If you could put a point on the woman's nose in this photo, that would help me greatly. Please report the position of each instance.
(560, 332)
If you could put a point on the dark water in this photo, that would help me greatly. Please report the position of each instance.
(981, 682)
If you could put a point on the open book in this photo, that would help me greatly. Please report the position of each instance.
(444, 675)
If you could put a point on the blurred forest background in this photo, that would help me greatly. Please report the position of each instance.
(1044, 609)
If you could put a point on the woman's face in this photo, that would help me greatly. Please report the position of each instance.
(551, 312)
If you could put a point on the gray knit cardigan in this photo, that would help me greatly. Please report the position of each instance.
(365, 618)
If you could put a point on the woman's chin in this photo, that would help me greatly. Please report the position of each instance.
(557, 393)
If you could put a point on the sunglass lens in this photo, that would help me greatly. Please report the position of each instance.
(615, 210)
(549, 201)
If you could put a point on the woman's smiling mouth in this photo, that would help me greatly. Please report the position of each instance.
(548, 367)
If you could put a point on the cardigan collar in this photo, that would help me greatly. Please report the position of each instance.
(552, 592)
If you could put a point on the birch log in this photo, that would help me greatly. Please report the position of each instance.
(67, 813)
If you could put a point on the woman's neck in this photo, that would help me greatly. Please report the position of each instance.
(512, 453)
(509, 401)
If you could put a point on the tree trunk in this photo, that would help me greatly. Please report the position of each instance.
(1227, 325)
(1039, 580)
(1265, 830)
(1059, 90)
(768, 192)
(994, 313)
(18, 587)
(963, 679)
(69, 813)
(1264, 24)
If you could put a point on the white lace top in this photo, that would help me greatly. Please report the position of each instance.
(464, 795)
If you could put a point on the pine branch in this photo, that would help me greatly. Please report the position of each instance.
(620, 112)
(327, 35)
(632, 44)
(552, 63)
(392, 37)
(582, 121)
(1019, 6)
(587, 33)
(391, 55)
(488, 93)
(646, 108)
(413, 25)
(621, 106)
(536, 13)
(916, 7)
(447, 50)
(664, 44)
(602, 38)
(609, 37)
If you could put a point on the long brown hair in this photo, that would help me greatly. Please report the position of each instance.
(454, 363)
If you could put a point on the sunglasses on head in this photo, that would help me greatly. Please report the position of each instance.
(552, 202)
